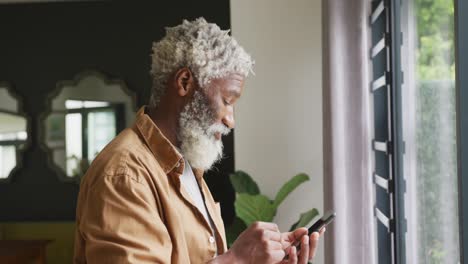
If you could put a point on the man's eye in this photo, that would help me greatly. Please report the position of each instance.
(226, 102)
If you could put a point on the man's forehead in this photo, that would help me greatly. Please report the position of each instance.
(231, 84)
(229, 80)
(236, 76)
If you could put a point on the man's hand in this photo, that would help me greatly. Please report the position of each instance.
(259, 243)
(290, 241)
(263, 243)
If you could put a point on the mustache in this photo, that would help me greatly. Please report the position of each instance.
(218, 128)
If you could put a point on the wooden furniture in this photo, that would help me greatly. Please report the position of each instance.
(23, 251)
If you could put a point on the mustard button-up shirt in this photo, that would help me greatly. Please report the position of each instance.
(132, 207)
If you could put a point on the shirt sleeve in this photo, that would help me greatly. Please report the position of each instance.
(120, 223)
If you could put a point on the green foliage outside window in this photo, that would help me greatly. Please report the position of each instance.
(435, 131)
(435, 33)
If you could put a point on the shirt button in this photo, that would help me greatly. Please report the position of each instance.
(212, 240)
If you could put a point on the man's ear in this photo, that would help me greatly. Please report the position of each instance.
(185, 82)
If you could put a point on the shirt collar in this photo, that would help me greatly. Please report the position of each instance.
(164, 151)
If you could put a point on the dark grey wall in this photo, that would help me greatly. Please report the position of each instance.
(43, 43)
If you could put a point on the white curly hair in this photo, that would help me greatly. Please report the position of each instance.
(204, 48)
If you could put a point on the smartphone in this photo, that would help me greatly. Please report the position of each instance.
(326, 219)
(322, 222)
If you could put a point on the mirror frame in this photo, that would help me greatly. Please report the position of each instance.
(61, 174)
(20, 111)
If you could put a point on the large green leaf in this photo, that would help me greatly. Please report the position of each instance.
(305, 219)
(243, 183)
(288, 187)
(234, 230)
(251, 208)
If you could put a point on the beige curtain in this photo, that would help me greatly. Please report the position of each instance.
(347, 134)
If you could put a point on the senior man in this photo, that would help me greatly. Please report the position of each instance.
(144, 199)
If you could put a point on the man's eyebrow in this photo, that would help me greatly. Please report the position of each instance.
(234, 92)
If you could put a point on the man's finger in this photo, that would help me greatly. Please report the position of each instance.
(266, 225)
(272, 235)
(277, 255)
(304, 255)
(292, 255)
(313, 243)
(274, 245)
(322, 230)
(296, 234)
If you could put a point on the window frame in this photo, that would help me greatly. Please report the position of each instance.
(461, 86)
(399, 246)
(391, 245)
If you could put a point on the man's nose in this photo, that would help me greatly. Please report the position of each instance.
(229, 121)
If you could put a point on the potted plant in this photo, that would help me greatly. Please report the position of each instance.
(250, 205)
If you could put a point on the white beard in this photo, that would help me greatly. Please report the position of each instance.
(197, 134)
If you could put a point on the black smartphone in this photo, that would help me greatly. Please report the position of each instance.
(326, 219)
(322, 222)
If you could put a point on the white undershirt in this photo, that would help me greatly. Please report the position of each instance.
(190, 184)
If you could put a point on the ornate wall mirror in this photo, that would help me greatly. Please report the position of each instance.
(13, 131)
(85, 115)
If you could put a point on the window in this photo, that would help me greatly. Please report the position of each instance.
(415, 126)
(89, 126)
(429, 130)
(12, 138)
(13, 131)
